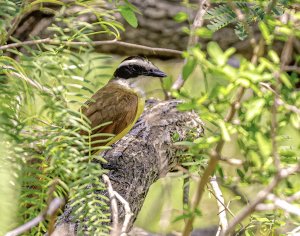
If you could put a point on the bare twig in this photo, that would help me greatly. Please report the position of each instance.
(114, 206)
(51, 209)
(152, 50)
(53, 215)
(291, 68)
(294, 197)
(193, 39)
(261, 196)
(113, 195)
(232, 161)
(279, 101)
(274, 125)
(294, 232)
(128, 213)
(186, 193)
(221, 205)
(186, 171)
(278, 203)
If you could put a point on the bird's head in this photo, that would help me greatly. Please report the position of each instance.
(136, 66)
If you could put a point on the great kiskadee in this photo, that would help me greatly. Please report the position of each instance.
(120, 102)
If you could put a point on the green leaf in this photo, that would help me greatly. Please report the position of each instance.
(240, 173)
(129, 15)
(264, 144)
(224, 130)
(285, 80)
(189, 67)
(133, 7)
(181, 17)
(265, 32)
(216, 53)
(204, 32)
(254, 108)
(274, 57)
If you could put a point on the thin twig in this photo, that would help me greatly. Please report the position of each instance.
(261, 196)
(221, 205)
(236, 191)
(278, 203)
(285, 57)
(128, 213)
(279, 101)
(186, 171)
(114, 206)
(274, 127)
(51, 209)
(152, 50)
(186, 193)
(291, 68)
(294, 197)
(193, 39)
(232, 161)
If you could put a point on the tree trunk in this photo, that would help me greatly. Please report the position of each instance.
(143, 156)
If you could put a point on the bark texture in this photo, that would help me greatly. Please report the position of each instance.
(143, 156)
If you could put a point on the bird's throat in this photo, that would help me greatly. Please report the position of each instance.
(135, 84)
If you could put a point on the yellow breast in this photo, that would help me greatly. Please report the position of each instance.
(140, 109)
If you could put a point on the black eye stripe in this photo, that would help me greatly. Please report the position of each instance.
(130, 71)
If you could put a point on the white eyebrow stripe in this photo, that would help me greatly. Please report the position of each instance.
(135, 62)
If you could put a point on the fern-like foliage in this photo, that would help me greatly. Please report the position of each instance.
(222, 15)
(41, 90)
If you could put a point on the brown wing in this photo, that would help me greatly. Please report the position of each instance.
(112, 103)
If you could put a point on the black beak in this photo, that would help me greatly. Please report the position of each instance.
(157, 73)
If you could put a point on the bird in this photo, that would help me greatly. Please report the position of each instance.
(115, 108)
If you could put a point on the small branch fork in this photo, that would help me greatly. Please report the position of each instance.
(113, 195)
(261, 196)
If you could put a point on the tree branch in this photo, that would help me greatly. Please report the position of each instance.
(152, 50)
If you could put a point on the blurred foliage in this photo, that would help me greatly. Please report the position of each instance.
(265, 82)
(41, 89)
